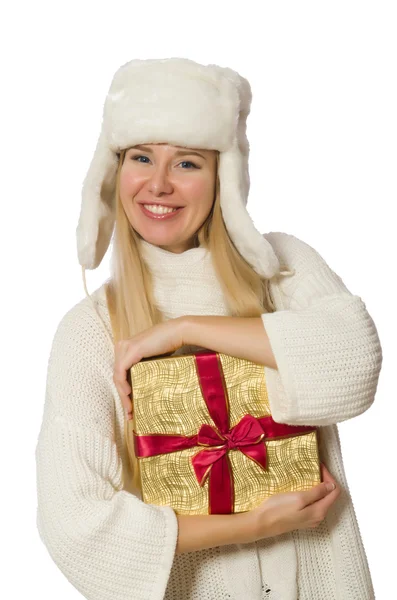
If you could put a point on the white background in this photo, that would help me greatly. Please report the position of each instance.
(323, 134)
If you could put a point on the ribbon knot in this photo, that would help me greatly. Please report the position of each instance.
(245, 436)
(230, 443)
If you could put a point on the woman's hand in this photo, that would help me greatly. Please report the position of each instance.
(160, 339)
(286, 511)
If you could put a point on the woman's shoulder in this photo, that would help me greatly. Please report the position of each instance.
(80, 325)
(311, 275)
(294, 253)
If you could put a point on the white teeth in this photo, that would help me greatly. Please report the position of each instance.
(160, 210)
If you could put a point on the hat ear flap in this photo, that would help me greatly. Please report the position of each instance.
(98, 210)
(234, 185)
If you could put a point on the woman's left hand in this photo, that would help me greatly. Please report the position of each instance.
(160, 339)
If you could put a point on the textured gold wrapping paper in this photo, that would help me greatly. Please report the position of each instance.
(167, 400)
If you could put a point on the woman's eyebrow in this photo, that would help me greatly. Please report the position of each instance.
(177, 153)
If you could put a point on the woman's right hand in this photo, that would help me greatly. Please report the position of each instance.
(287, 511)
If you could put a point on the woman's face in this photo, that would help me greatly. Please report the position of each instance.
(171, 176)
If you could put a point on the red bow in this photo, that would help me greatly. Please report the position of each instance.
(244, 436)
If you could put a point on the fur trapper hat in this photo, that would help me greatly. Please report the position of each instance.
(180, 102)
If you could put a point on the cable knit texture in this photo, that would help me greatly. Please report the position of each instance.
(112, 546)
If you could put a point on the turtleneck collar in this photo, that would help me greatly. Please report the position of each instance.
(165, 263)
(185, 283)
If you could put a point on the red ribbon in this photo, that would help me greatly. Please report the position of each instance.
(248, 436)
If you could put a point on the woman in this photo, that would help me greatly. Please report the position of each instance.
(174, 134)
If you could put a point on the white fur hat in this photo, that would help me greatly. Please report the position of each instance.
(180, 102)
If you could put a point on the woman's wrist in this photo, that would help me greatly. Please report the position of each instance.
(246, 527)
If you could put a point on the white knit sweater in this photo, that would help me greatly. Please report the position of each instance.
(112, 546)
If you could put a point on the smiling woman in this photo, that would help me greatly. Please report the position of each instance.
(266, 297)
(161, 179)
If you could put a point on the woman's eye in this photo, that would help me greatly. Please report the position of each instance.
(188, 162)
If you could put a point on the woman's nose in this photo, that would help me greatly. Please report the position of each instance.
(159, 182)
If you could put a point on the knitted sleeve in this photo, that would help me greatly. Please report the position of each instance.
(325, 343)
(106, 541)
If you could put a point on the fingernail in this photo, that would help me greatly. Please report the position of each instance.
(330, 486)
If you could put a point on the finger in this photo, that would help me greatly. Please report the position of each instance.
(324, 470)
(125, 392)
(120, 379)
(130, 410)
(316, 493)
(127, 405)
(322, 505)
(326, 476)
(123, 387)
(122, 375)
(320, 495)
(130, 397)
(127, 355)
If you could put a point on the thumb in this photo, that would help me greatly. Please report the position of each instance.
(317, 492)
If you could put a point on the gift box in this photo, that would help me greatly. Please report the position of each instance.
(203, 440)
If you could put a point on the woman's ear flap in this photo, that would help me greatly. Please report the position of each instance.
(97, 213)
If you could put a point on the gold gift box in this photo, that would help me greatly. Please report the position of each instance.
(173, 400)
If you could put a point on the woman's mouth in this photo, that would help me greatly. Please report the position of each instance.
(160, 216)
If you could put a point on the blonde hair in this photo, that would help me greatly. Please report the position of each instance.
(129, 290)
